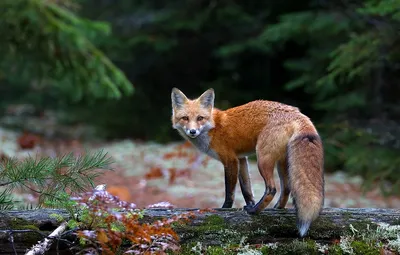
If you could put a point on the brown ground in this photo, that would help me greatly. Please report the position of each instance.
(148, 173)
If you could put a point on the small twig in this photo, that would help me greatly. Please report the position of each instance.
(6, 183)
(40, 192)
(66, 233)
(11, 231)
(21, 180)
(10, 234)
(44, 245)
(57, 246)
(66, 241)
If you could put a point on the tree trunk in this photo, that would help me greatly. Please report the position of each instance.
(221, 226)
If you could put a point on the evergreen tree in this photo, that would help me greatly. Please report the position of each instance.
(44, 44)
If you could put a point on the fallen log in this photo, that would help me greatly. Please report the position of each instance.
(218, 227)
(19, 230)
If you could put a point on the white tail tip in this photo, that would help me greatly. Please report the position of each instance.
(303, 227)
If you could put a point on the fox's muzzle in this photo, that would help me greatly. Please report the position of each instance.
(192, 132)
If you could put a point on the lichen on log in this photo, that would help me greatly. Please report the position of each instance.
(230, 225)
(216, 227)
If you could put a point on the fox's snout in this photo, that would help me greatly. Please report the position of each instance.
(192, 132)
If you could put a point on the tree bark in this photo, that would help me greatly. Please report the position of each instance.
(221, 226)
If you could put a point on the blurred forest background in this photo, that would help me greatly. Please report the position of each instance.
(103, 69)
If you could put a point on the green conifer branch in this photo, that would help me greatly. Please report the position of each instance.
(51, 178)
(46, 42)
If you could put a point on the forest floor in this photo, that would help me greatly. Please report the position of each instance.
(149, 173)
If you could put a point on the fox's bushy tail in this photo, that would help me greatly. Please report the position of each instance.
(306, 175)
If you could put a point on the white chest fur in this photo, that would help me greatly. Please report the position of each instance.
(202, 142)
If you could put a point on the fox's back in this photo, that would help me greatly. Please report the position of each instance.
(260, 110)
(239, 127)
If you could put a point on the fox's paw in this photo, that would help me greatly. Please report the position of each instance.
(227, 205)
(278, 206)
(250, 209)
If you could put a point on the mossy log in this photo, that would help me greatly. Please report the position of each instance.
(20, 230)
(221, 226)
(272, 225)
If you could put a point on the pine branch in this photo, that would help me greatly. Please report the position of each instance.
(52, 178)
(6, 183)
(6, 203)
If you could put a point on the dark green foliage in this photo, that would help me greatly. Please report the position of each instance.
(44, 44)
(366, 157)
(348, 48)
(350, 71)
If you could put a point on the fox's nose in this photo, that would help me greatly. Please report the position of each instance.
(192, 131)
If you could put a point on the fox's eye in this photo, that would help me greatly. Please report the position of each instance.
(185, 118)
(200, 118)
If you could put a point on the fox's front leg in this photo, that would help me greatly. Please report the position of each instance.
(231, 169)
(245, 183)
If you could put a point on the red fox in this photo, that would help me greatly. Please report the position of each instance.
(277, 133)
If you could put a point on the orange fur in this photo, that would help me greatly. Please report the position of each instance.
(278, 134)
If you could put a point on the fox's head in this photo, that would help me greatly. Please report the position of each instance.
(192, 117)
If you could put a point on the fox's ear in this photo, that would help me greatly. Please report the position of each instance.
(178, 98)
(207, 98)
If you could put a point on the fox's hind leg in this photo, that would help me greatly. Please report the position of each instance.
(245, 183)
(266, 165)
(284, 184)
(270, 149)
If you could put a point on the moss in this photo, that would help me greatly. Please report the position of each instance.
(215, 250)
(231, 249)
(335, 250)
(58, 217)
(215, 229)
(18, 223)
(346, 215)
(212, 230)
(211, 222)
(31, 227)
(196, 248)
(21, 224)
(72, 224)
(362, 225)
(297, 247)
(214, 222)
(326, 229)
(265, 250)
(362, 248)
(184, 249)
(31, 238)
(395, 222)
(271, 226)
